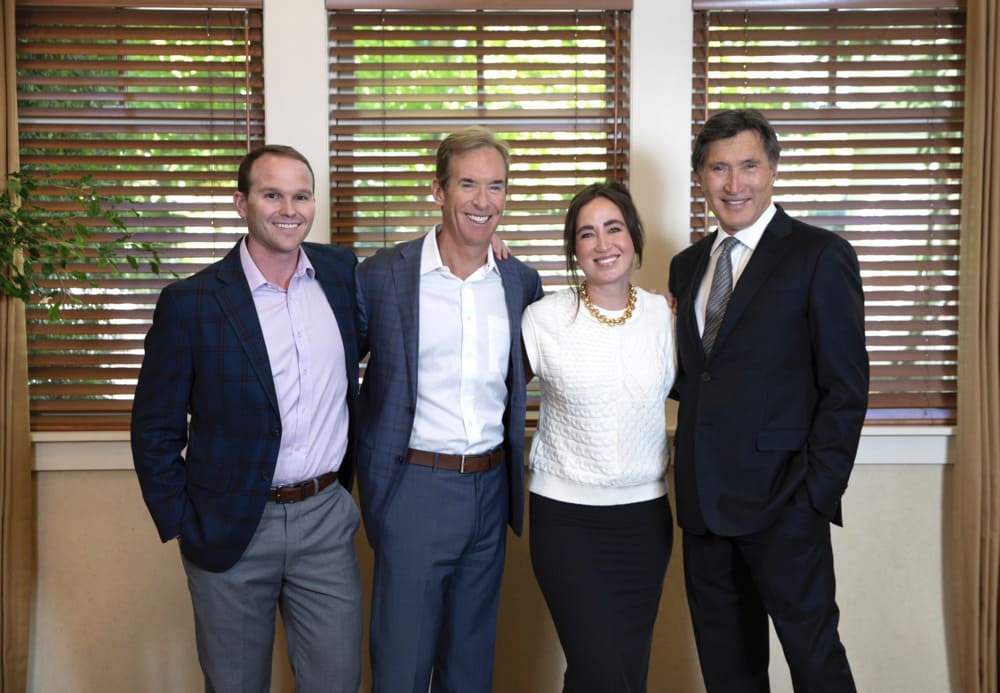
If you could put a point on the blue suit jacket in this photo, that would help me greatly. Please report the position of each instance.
(388, 302)
(782, 398)
(205, 356)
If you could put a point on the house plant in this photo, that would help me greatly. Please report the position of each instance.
(46, 242)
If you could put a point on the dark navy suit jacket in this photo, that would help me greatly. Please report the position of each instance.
(782, 398)
(205, 356)
(388, 302)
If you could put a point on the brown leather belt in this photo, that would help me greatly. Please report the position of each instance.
(293, 493)
(466, 464)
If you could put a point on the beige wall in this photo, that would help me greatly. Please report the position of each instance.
(112, 613)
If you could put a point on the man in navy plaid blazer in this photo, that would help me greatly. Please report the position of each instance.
(240, 437)
(440, 444)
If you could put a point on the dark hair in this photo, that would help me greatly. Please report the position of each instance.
(618, 194)
(243, 175)
(465, 140)
(726, 124)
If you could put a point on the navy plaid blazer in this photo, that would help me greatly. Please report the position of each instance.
(206, 480)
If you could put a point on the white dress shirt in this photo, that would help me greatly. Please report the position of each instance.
(740, 255)
(463, 357)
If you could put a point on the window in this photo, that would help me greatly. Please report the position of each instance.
(157, 106)
(554, 84)
(867, 104)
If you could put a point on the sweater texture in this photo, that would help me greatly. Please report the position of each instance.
(602, 437)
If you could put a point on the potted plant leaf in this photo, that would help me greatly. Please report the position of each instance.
(47, 241)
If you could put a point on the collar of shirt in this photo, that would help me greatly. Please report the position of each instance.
(430, 257)
(255, 277)
(750, 236)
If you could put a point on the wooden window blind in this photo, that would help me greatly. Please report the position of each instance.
(157, 106)
(554, 84)
(867, 104)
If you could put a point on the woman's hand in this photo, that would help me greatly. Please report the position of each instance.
(500, 249)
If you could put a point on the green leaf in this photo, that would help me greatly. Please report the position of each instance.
(40, 247)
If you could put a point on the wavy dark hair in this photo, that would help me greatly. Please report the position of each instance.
(618, 194)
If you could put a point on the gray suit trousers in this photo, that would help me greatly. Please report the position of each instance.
(302, 561)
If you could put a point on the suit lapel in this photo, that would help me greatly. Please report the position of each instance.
(339, 298)
(690, 311)
(406, 279)
(765, 257)
(237, 305)
(511, 293)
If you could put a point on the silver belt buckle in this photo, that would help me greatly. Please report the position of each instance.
(461, 468)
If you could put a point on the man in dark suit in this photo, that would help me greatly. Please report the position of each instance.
(773, 387)
(440, 444)
(240, 437)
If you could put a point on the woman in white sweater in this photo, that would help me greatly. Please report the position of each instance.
(601, 529)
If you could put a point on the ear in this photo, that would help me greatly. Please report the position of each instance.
(437, 191)
(240, 201)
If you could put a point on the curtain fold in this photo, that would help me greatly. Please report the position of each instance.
(976, 482)
(17, 515)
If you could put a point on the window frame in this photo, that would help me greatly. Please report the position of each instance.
(165, 151)
(909, 255)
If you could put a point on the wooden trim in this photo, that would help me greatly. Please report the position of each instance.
(489, 5)
(114, 4)
(782, 5)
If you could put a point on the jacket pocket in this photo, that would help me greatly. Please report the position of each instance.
(792, 439)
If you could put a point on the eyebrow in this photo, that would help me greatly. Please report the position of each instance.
(274, 189)
(610, 222)
(498, 181)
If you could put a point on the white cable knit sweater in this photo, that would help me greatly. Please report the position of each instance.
(602, 437)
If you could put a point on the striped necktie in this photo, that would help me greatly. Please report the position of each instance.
(718, 295)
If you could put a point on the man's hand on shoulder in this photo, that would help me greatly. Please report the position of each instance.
(670, 298)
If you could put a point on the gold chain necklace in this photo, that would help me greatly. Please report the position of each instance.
(629, 307)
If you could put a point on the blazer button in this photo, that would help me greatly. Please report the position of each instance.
(706, 377)
(275, 433)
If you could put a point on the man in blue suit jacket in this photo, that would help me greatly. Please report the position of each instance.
(440, 443)
(241, 439)
(773, 392)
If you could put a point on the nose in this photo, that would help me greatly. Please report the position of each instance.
(731, 183)
(481, 198)
(287, 207)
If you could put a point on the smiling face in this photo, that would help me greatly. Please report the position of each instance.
(737, 180)
(279, 208)
(604, 249)
(473, 198)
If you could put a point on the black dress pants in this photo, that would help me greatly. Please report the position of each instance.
(784, 572)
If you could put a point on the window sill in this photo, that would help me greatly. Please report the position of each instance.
(109, 450)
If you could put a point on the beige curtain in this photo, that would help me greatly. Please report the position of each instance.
(976, 487)
(17, 515)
